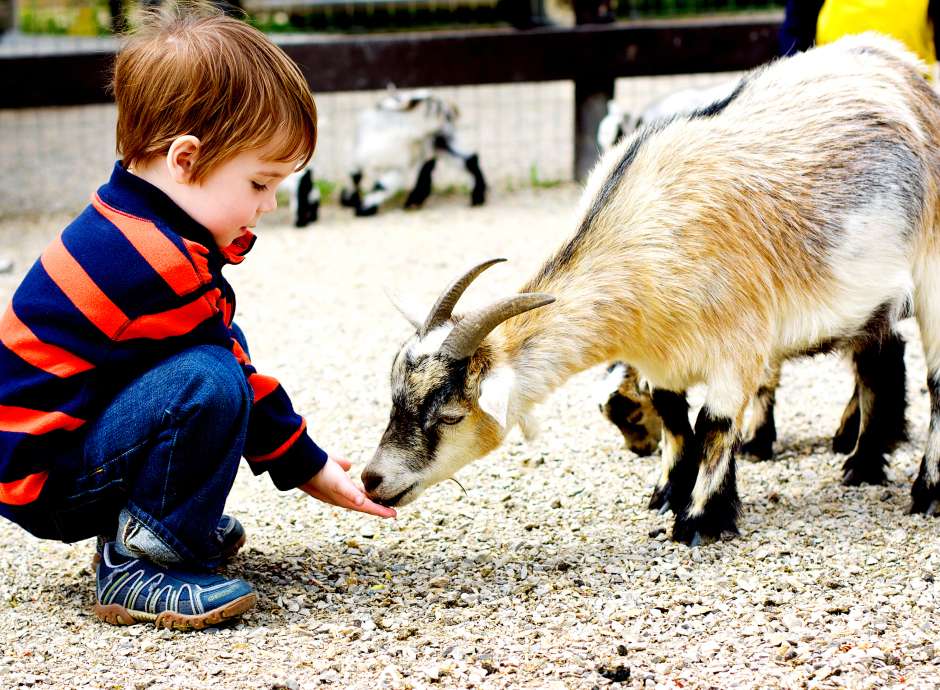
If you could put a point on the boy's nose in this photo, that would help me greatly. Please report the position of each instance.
(269, 204)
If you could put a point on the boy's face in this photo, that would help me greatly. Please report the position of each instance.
(233, 196)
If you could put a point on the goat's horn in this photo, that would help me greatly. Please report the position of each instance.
(444, 306)
(467, 335)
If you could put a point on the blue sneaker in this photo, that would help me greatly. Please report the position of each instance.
(132, 590)
(230, 533)
(231, 536)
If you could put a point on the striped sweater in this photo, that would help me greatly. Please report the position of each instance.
(129, 282)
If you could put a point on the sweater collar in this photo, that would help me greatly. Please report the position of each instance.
(134, 195)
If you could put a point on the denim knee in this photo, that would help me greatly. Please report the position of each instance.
(210, 379)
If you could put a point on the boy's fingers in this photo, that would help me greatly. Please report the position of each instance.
(351, 497)
(342, 462)
(366, 506)
(372, 508)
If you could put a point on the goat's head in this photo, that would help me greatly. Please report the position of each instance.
(628, 405)
(450, 395)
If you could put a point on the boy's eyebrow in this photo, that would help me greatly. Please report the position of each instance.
(269, 173)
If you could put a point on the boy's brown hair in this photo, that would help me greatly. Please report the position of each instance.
(189, 69)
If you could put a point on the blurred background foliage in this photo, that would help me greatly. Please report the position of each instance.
(94, 17)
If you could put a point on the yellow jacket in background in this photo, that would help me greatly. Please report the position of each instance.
(905, 20)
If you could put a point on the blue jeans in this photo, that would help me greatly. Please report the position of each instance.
(163, 455)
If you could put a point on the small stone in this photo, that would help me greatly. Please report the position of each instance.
(615, 674)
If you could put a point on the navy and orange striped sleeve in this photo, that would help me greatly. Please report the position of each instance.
(277, 440)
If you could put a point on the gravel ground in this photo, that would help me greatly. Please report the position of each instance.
(548, 572)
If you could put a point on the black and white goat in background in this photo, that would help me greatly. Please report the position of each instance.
(304, 197)
(400, 139)
(799, 214)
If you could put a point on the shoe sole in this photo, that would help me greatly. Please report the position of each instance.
(115, 614)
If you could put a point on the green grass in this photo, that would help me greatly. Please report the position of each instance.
(88, 19)
(537, 182)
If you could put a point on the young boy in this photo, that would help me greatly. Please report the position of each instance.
(127, 397)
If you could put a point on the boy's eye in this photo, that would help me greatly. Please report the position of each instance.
(259, 187)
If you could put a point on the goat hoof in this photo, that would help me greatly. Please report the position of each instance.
(864, 469)
(758, 450)
(924, 498)
(844, 443)
(660, 499)
(349, 199)
(365, 211)
(703, 529)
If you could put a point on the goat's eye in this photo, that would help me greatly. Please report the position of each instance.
(451, 419)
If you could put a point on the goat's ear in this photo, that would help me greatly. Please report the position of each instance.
(495, 390)
(407, 308)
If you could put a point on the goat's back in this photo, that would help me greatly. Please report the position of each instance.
(782, 215)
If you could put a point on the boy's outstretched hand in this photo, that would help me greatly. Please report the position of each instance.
(332, 485)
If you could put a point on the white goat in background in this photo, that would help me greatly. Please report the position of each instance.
(404, 133)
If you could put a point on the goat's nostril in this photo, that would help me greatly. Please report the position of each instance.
(371, 480)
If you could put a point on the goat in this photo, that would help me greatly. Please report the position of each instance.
(405, 130)
(710, 248)
(304, 197)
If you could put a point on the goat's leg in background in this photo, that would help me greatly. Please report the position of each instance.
(388, 184)
(846, 435)
(471, 162)
(352, 198)
(680, 455)
(925, 493)
(891, 383)
(714, 505)
(881, 403)
(305, 202)
(762, 429)
(422, 189)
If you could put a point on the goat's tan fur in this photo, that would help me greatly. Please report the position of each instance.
(706, 252)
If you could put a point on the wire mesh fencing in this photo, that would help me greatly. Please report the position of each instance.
(54, 157)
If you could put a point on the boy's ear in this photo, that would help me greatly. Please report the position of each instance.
(181, 156)
(495, 390)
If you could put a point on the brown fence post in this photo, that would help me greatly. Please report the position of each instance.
(591, 94)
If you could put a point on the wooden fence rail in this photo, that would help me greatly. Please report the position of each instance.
(592, 56)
